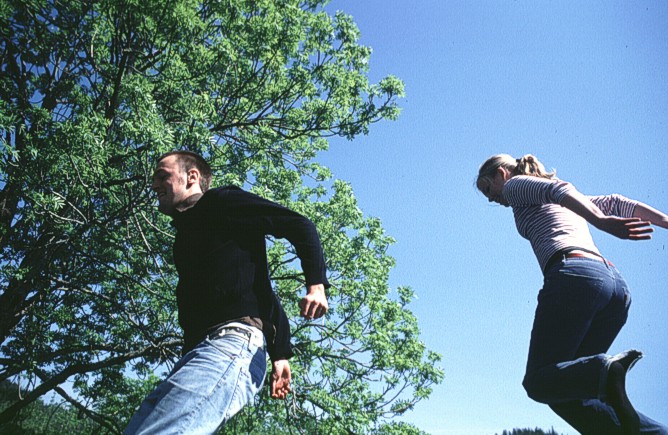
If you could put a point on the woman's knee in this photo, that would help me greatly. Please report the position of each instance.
(532, 386)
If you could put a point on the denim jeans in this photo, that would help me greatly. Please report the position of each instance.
(207, 386)
(582, 307)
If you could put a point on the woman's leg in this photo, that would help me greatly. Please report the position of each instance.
(581, 310)
(587, 415)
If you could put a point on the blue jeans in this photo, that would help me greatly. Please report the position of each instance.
(582, 307)
(207, 386)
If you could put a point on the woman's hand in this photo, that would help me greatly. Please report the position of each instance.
(625, 228)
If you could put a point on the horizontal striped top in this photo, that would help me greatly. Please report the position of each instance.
(549, 226)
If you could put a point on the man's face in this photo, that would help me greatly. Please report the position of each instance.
(169, 183)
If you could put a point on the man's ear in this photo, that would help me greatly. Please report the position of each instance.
(192, 178)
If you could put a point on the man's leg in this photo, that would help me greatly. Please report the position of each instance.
(207, 387)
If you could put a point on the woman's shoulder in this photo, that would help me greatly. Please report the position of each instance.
(533, 178)
(536, 189)
(530, 181)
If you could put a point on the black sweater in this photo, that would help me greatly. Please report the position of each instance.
(220, 255)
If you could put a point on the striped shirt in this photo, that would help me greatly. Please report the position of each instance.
(549, 226)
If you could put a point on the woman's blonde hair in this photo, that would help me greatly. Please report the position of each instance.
(526, 165)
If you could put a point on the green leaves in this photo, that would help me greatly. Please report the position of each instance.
(90, 94)
(365, 361)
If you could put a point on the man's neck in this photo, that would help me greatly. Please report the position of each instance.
(187, 203)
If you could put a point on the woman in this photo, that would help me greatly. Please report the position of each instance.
(584, 301)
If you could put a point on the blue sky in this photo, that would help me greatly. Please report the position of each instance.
(581, 85)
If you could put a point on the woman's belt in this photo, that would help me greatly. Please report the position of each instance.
(561, 255)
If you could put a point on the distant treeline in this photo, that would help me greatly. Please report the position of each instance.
(528, 432)
(41, 418)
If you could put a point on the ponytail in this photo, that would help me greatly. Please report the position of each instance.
(526, 165)
(529, 165)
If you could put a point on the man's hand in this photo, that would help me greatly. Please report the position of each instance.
(280, 379)
(314, 304)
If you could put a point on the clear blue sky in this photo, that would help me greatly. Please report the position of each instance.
(582, 85)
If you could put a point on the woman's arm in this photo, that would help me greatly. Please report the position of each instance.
(650, 214)
(634, 228)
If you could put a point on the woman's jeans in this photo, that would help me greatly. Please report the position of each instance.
(582, 307)
(207, 386)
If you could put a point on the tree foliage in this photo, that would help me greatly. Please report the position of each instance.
(41, 418)
(91, 92)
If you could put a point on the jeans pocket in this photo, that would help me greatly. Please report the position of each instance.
(231, 345)
(258, 367)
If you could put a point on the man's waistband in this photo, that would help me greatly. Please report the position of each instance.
(253, 334)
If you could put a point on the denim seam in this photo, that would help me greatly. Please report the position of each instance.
(232, 366)
(237, 392)
(240, 348)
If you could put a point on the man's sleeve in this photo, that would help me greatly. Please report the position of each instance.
(277, 331)
(253, 213)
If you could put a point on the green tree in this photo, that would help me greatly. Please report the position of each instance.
(91, 92)
(535, 431)
(41, 418)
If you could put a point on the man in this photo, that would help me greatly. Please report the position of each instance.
(227, 308)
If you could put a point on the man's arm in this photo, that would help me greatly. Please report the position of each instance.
(250, 212)
(313, 306)
(253, 213)
(276, 327)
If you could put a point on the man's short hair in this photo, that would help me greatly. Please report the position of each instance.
(189, 160)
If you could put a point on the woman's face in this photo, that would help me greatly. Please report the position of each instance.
(493, 187)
